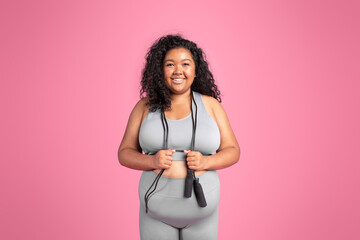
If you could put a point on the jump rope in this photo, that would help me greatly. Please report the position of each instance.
(191, 180)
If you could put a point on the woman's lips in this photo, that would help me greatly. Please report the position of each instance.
(177, 80)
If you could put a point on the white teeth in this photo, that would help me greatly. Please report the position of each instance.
(178, 80)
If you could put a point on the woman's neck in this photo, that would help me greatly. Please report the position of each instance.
(183, 98)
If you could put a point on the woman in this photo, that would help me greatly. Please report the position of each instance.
(179, 125)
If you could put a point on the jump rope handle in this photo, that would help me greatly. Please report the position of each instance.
(189, 183)
(199, 193)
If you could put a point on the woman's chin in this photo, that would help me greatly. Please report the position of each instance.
(179, 89)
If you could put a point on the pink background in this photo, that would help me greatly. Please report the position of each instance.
(289, 74)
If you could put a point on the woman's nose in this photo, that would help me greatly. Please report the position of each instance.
(178, 69)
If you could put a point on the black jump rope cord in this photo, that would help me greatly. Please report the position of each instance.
(190, 179)
(147, 194)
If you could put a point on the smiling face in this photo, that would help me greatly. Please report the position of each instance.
(179, 70)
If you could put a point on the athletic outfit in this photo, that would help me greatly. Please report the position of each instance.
(171, 215)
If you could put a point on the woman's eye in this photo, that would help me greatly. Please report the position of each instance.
(169, 64)
(186, 64)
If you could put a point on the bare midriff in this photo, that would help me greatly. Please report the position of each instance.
(178, 169)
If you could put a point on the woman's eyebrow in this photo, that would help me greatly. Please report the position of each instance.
(185, 59)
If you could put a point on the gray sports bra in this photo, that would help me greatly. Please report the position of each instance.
(207, 138)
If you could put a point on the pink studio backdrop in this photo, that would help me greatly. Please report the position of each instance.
(289, 74)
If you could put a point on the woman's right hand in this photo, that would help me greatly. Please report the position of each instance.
(163, 159)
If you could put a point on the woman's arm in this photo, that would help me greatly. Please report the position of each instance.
(129, 153)
(229, 150)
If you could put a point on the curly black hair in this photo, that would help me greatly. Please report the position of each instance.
(152, 82)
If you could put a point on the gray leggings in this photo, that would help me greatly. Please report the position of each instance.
(172, 216)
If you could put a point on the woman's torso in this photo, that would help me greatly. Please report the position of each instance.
(207, 139)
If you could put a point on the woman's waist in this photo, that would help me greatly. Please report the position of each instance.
(174, 187)
(178, 169)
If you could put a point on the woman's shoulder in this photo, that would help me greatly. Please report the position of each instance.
(212, 105)
(142, 107)
(210, 101)
(143, 102)
(217, 110)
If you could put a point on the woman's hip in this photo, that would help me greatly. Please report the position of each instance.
(168, 204)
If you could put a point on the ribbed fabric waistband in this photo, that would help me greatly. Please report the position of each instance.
(174, 187)
(179, 156)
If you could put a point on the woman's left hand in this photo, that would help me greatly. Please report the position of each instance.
(195, 160)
